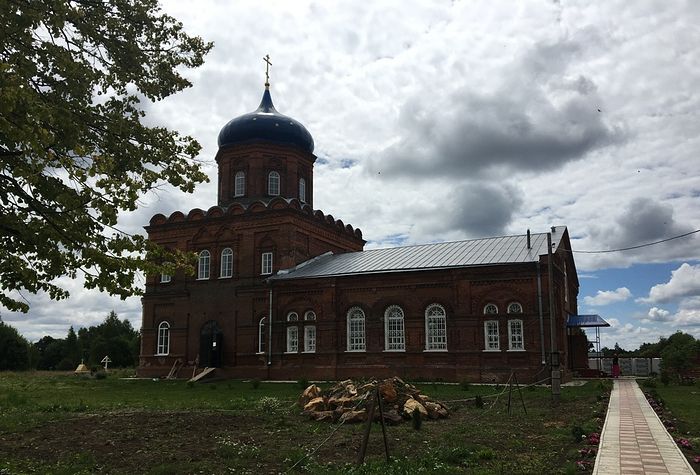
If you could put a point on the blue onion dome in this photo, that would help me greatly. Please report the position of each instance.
(265, 123)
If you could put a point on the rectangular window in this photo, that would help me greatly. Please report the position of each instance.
(437, 333)
(515, 335)
(395, 335)
(165, 278)
(309, 339)
(266, 263)
(491, 335)
(292, 339)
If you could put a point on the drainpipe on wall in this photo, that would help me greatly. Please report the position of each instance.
(556, 374)
(539, 303)
(269, 341)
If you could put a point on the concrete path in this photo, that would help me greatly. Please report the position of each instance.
(634, 441)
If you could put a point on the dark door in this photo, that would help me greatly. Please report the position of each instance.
(211, 345)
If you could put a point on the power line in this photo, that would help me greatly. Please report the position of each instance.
(639, 246)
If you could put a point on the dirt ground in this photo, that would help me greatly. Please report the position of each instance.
(140, 442)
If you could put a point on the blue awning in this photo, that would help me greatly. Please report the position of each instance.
(586, 321)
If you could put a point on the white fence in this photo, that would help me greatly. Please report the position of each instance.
(628, 366)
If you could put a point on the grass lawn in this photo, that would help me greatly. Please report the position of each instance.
(59, 423)
(682, 409)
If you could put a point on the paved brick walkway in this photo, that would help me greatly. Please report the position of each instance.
(634, 441)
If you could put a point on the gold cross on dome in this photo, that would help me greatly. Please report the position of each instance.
(267, 70)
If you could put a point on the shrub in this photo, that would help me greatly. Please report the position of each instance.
(101, 375)
(665, 378)
(269, 404)
(303, 383)
(255, 383)
(465, 385)
(648, 383)
(485, 454)
(479, 401)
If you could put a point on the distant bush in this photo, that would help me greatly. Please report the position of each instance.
(479, 401)
(465, 385)
(665, 378)
(101, 375)
(255, 383)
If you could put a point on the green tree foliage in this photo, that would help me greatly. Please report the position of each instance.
(75, 153)
(14, 349)
(680, 353)
(113, 337)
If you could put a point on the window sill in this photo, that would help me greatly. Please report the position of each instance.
(291, 352)
(162, 354)
(261, 353)
(355, 351)
(225, 276)
(202, 278)
(435, 351)
(491, 351)
(395, 351)
(522, 350)
(309, 352)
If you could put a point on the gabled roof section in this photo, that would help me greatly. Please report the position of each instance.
(443, 255)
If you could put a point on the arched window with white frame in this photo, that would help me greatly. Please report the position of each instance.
(163, 339)
(262, 337)
(273, 184)
(239, 184)
(292, 317)
(515, 307)
(356, 329)
(516, 342)
(203, 265)
(490, 309)
(435, 328)
(394, 334)
(302, 190)
(226, 263)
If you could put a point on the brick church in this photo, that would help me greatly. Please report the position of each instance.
(282, 290)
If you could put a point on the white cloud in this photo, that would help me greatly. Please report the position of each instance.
(684, 282)
(659, 314)
(606, 297)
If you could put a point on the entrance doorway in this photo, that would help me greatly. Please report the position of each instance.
(211, 345)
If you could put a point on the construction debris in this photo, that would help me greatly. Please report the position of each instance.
(348, 401)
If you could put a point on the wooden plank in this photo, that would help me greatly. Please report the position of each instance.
(204, 372)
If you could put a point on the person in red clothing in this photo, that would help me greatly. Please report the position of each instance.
(615, 366)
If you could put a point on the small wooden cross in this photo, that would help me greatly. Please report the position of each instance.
(267, 69)
(106, 361)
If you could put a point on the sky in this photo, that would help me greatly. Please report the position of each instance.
(438, 121)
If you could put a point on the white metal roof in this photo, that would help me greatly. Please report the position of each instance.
(474, 252)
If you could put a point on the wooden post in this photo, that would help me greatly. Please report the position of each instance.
(365, 438)
(381, 419)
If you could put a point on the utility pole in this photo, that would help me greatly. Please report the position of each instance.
(553, 352)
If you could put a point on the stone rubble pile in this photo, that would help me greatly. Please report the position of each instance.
(349, 401)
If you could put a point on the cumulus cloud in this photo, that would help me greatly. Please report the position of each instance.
(684, 282)
(659, 314)
(606, 297)
(642, 221)
(532, 121)
(688, 314)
